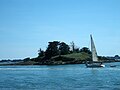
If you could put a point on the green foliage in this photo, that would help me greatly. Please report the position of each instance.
(41, 53)
(79, 56)
(116, 56)
(64, 48)
(76, 50)
(52, 49)
(72, 46)
(56, 48)
(26, 59)
(86, 50)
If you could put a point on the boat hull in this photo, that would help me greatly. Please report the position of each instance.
(94, 65)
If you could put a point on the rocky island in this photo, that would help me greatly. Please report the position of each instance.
(59, 53)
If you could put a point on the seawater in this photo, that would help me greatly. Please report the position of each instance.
(60, 77)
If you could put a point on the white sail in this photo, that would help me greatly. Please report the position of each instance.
(94, 63)
(93, 50)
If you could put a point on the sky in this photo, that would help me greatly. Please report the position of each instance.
(27, 25)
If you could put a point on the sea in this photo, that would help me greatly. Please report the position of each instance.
(60, 77)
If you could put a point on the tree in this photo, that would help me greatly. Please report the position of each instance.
(116, 57)
(52, 49)
(64, 48)
(26, 59)
(86, 50)
(72, 46)
(77, 50)
(40, 53)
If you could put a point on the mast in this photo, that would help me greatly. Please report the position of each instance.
(93, 50)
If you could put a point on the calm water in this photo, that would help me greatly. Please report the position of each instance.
(62, 77)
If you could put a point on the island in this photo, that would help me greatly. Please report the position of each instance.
(60, 53)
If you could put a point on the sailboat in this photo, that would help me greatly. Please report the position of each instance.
(94, 63)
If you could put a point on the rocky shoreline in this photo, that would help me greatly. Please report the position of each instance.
(58, 60)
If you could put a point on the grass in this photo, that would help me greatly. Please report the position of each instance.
(78, 56)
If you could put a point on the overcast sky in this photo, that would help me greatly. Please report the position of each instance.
(27, 25)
